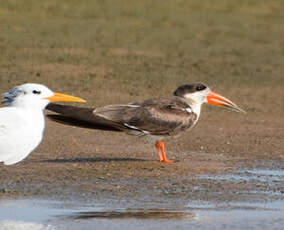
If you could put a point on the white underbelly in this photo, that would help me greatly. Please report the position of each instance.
(19, 146)
(19, 139)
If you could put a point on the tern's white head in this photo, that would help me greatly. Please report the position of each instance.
(22, 120)
(34, 96)
(198, 93)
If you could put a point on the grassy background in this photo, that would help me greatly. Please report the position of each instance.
(122, 51)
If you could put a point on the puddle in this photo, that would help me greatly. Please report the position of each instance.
(53, 215)
(243, 216)
(47, 215)
(267, 172)
(265, 183)
(277, 205)
(269, 183)
(195, 214)
(260, 175)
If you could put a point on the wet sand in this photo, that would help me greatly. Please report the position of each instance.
(74, 163)
(221, 170)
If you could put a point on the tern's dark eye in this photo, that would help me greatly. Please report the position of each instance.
(36, 92)
(200, 87)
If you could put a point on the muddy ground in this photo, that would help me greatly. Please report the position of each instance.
(74, 163)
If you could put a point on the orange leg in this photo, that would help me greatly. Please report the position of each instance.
(162, 146)
(159, 151)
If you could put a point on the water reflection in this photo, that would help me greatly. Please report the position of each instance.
(137, 214)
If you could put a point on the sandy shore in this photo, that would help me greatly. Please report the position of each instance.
(75, 163)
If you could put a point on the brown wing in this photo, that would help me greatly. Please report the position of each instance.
(81, 123)
(167, 116)
(80, 117)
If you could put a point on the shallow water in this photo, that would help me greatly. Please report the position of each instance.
(270, 182)
(194, 214)
(44, 214)
(261, 175)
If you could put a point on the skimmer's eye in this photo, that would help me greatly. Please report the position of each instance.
(200, 87)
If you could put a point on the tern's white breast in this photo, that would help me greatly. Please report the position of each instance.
(21, 132)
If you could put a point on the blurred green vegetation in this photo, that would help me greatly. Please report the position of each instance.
(122, 50)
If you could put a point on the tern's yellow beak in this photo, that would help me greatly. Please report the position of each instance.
(65, 98)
